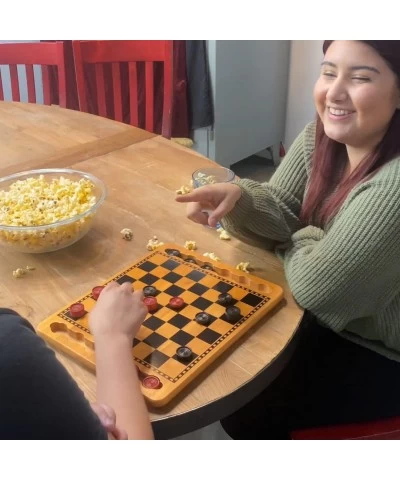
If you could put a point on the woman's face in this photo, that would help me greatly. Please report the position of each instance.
(356, 94)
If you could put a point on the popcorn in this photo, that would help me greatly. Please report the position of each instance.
(191, 245)
(153, 243)
(243, 266)
(38, 202)
(183, 190)
(212, 256)
(127, 234)
(223, 234)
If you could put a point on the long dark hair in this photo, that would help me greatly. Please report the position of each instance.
(330, 156)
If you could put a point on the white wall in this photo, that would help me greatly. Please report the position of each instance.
(305, 64)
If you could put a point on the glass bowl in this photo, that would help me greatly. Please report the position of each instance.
(52, 236)
(209, 175)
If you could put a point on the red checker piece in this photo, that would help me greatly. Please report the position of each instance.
(151, 382)
(176, 303)
(151, 304)
(77, 310)
(96, 292)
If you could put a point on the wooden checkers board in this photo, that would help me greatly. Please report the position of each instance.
(199, 283)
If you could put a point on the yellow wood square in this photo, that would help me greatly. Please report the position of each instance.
(167, 330)
(143, 332)
(172, 367)
(138, 285)
(198, 346)
(159, 272)
(137, 273)
(220, 326)
(163, 299)
(209, 281)
(183, 269)
(185, 283)
(216, 310)
(165, 314)
(238, 293)
(189, 312)
(161, 284)
(142, 350)
(193, 328)
(245, 309)
(188, 297)
(211, 295)
(169, 348)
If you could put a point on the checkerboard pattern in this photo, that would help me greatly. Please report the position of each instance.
(163, 332)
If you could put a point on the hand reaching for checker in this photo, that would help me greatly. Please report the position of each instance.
(118, 311)
(219, 199)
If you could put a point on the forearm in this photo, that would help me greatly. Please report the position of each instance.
(264, 213)
(118, 386)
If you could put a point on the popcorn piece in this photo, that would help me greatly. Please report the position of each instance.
(203, 179)
(127, 234)
(223, 234)
(19, 272)
(153, 243)
(183, 190)
(191, 245)
(243, 266)
(28, 268)
(212, 256)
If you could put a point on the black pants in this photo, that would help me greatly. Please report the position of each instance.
(328, 381)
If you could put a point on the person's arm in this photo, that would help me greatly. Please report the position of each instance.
(269, 212)
(114, 322)
(39, 399)
(353, 270)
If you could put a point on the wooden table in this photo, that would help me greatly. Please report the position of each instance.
(142, 172)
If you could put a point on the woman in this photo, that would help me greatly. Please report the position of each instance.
(332, 213)
(39, 399)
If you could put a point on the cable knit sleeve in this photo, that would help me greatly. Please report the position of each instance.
(268, 213)
(352, 270)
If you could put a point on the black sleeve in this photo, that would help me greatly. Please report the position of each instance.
(39, 399)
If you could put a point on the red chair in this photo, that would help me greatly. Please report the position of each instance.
(115, 52)
(388, 429)
(45, 54)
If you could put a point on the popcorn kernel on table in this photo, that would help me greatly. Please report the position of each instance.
(243, 266)
(127, 234)
(190, 245)
(212, 256)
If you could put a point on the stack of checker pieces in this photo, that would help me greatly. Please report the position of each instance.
(173, 272)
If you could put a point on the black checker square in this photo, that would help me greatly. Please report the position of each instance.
(174, 291)
(124, 279)
(201, 303)
(223, 287)
(149, 279)
(251, 299)
(156, 358)
(209, 336)
(182, 338)
(196, 275)
(153, 323)
(135, 342)
(147, 266)
(155, 340)
(170, 264)
(179, 321)
(198, 289)
(172, 277)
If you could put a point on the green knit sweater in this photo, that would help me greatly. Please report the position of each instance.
(347, 274)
